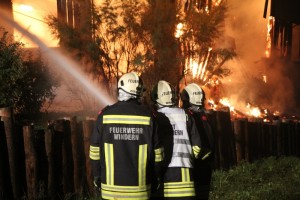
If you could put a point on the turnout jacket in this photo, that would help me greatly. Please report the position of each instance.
(125, 151)
(205, 131)
(203, 165)
(182, 144)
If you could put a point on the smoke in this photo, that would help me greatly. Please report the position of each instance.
(66, 67)
(254, 79)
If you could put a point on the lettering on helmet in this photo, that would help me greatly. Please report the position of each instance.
(133, 81)
(196, 93)
(166, 93)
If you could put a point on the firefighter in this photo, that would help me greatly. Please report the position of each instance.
(193, 99)
(125, 152)
(181, 144)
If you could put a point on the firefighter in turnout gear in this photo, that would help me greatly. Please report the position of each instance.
(181, 142)
(125, 151)
(193, 99)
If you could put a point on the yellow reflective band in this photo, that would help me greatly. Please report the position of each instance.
(94, 156)
(109, 163)
(126, 119)
(179, 192)
(170, 185)
(94, 153)
(142, 164)
(159, 154)
(125, 195)
(120, 188)
(196, 151)
(185, 174)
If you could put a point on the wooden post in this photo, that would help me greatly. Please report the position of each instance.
(41, 163)
(88, 126)
(254, 130)
(5, 183)
(54, 153)
(226, 139)
(63, 128)
(16, 180)
(213, 123)
(80, 180)
(297, 127)
(240, 132)
(77, 156)
(31, 163)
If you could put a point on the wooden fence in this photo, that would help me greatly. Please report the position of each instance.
(54, 163)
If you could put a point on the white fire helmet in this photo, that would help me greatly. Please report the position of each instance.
(131, 83)
(194, 94)
(163, 94)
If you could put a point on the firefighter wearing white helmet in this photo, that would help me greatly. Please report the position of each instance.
(193, 94)
(193, 99)
(131, 84)
(181, 143)
(125, 135)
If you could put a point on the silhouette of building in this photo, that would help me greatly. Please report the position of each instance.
(6, 7)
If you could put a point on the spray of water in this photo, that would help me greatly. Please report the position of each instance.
(65, 64)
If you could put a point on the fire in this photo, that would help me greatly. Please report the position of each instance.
(226, 102)
(197, 65)
(254, 111)
(217, 2)
(269, 28)
(179, 30)
(265, 78)
(212, 104)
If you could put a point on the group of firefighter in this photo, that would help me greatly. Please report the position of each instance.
(165, 152)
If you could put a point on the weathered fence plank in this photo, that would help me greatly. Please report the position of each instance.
(11, 139)
(88, 126)
(241, 139)
(5, 183)
(30, 162)
(54, 153)
(58, 165)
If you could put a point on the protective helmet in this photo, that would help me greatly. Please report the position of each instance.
(194, 94)
(163, 94)
(131, 83)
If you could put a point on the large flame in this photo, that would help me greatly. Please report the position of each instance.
(269, 42)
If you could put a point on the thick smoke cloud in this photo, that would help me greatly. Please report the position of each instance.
(246, 24)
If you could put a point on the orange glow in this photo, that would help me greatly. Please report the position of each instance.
(179, 30)
(225, 101)
(254, 111)
(265, 78)
(30, 15)
(217, 2)
(269, 42)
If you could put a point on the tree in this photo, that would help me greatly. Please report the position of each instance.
(26, 82)
(158, 22)
(114, 47)
(142, 36)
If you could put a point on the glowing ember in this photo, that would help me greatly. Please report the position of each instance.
(179, 30)
(265, 78)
